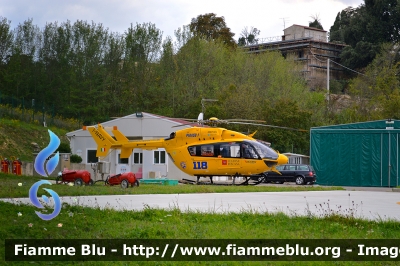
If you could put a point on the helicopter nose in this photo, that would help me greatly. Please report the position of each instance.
(282, 159)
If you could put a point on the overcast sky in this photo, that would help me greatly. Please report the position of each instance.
(269, 16)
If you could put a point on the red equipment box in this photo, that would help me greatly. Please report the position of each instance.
(123, 179)
(77, 176)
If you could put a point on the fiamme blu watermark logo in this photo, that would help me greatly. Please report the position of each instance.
(45, 169)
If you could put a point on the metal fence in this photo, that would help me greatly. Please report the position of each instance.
(34, 111)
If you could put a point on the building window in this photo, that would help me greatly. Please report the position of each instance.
(123, 160)
(159, 157)
(138, 158)
(91, 156)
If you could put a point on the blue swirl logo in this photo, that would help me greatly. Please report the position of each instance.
(35, 201)
(45, 154)
(45, 169)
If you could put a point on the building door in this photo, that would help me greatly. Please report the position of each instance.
(389, 159)
(122, 164)
(137, 166)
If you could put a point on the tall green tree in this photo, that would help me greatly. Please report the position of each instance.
(365, 28)
(6, 39)
(248, 36)
(377, 92)
(20, 71)
(113, 67)
(211, 27)
(142, 49)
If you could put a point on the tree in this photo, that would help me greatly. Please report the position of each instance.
(372, 23)
(20, 71)
(142, 49)
(287, 112)
(248, 37)
(6, 39)
(359, 56)
(211, 27)
(315, 23)
(378, 91)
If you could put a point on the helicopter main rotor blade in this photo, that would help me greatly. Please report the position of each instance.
(192, 123)
(243, 120)
(264, 125)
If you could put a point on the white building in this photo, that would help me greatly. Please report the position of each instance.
(295, 32)
(297, 158)
(143, 163)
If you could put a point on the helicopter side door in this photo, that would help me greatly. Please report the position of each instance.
(229, 156)
(215, 158)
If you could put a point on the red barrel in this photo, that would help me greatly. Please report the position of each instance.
(5, 163)
(17, 167)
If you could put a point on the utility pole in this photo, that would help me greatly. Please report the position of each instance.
(284, 25)
(327, 80)
(206, 100)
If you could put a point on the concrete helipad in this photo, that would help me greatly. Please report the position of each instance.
(371, 205)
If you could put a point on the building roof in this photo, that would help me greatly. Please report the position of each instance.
(377, 124)
(306, 27)
(113, 122)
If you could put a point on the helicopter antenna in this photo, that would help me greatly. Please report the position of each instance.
(200, 118)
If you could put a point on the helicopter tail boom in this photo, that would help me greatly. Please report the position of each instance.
(103, 140)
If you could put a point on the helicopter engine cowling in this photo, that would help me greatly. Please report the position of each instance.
(283, 159)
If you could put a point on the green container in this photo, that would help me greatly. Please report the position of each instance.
(160, 181)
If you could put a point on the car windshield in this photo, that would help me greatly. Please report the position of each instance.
(263, 150)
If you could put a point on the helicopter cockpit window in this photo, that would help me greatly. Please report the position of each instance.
(263, 150)
(248, 151)
(207, 150)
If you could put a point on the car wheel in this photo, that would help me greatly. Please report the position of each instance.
(299, 180)
(78, 182)
(135, 184)
(124, 183)
(91, 182)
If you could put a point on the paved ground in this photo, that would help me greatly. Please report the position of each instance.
(367, 204)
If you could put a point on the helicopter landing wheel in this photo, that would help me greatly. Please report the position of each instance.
(246, 182)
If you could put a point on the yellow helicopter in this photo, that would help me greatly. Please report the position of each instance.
(202, 151)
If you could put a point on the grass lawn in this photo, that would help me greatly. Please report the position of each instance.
(9, 188)
(75, 222)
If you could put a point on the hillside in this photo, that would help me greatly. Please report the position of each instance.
(16, 138)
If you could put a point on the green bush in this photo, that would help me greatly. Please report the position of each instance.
(75, 158)
(64, 148)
